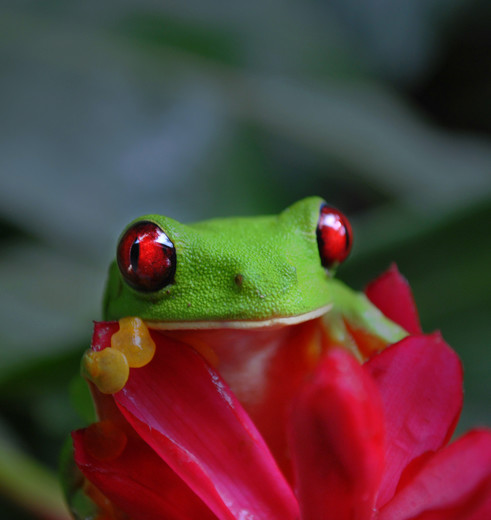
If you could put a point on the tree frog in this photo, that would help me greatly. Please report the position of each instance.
(234, 273)
(255, 297)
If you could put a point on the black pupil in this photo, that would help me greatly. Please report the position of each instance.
(134, 255)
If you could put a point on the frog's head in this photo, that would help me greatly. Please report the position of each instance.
(237, 272)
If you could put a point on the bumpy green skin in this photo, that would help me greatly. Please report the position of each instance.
(245, 269)
(233, 269)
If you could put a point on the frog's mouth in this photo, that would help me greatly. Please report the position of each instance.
(267, 323)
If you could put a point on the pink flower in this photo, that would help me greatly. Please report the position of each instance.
(291, 428)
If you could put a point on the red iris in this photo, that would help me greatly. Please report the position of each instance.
(334, 236)
(146, 257)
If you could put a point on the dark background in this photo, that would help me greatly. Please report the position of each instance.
(198, 109)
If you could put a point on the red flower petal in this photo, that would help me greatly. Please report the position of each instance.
(420, 381)
(101, 337)
(455, 484)
(137, 481)
(182, 408)
(337, 441)
(265, 370)
(391, 293)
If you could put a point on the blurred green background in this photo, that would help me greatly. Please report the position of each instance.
(197, 109)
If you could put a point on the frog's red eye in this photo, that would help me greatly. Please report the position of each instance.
(334, 236)
(146, 257)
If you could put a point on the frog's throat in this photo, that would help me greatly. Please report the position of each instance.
(239, 324)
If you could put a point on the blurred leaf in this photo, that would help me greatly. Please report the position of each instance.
(44, 372)
(81, 399)
(30, 484)
(206, 41)
(364, 127)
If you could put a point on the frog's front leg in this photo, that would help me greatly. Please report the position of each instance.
(131, 347)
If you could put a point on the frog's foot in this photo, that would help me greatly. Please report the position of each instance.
(131, 347)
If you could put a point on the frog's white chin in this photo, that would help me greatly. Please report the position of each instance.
(239, 324)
